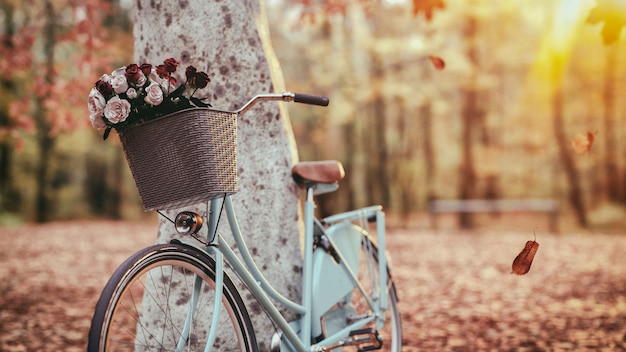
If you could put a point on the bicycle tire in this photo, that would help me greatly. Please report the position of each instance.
(393, 321)
(356, 305)
(160, 277)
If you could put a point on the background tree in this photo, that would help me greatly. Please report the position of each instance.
(470, 118)
(362, 54)
(49, 48)
(510, 134)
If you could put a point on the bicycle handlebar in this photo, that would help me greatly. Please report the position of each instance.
(310, 99)
(286, 96)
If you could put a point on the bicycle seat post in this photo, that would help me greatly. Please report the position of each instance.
(307, 292)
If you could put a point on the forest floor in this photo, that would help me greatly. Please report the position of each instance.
(455, 288)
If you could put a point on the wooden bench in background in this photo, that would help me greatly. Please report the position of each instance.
(548, 206)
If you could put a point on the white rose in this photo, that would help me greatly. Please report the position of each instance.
(96, 102)
(117, 110)
(119, 72)
(142, 79)
(97, 121)
(154, 94)
(119, 84)
(106, 78)
(164, 83)
(131, 93)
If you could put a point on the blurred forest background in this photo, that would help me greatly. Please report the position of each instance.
(530, 104)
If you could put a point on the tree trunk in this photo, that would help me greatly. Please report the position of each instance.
(116, 183)
(377, 180)
(6, 157)
(380, 180)
(6, 145)
(575, 193)
(426, 115)
(45, 141)
(614, 190)
(230, 41)
(467, 183)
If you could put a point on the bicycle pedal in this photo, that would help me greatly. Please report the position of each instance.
(367, 339)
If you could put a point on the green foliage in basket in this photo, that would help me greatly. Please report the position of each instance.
(135, 94)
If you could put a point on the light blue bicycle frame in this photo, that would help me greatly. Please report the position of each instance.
(264, 292)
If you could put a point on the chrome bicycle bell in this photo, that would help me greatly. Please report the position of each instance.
(188, 223)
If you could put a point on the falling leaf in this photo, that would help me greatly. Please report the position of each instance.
(427, 7)
(521, 264)
(611, 15)
(437, 62)
(582, 143)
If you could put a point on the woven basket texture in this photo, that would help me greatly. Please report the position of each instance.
(184, 158)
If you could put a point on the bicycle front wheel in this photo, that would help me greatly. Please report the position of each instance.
(162, 299)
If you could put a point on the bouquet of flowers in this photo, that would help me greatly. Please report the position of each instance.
(135, 94)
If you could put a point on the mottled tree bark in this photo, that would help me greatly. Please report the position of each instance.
(229, 40)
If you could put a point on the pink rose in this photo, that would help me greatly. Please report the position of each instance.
(117, 110)
(154, 94)
(96, 102)
(96, 121)
(119, 84)
(131, 93)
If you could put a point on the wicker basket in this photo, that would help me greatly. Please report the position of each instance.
(183, 158)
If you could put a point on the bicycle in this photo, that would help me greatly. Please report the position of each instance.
(178, 297)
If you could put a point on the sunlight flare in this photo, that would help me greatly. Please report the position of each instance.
(557, 43)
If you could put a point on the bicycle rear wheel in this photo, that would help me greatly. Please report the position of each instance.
(369, 278)
(162, 299)
(356, 305)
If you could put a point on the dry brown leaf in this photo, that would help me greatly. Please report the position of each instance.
(582, 143)
(427, 7)
(437, 62)
(521, 264)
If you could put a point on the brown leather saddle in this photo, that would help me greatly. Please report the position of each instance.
(311, 173)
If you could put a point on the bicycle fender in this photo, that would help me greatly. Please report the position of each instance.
(199, 251)
(331, 281)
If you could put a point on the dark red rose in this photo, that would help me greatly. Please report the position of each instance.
(105, 89)
(170, 65)
(162, 71)
(133, 74)
(146, 69)
(202, 79)
(190, 72)
(195, 78)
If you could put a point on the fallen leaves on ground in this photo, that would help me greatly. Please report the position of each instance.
(455, 290)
